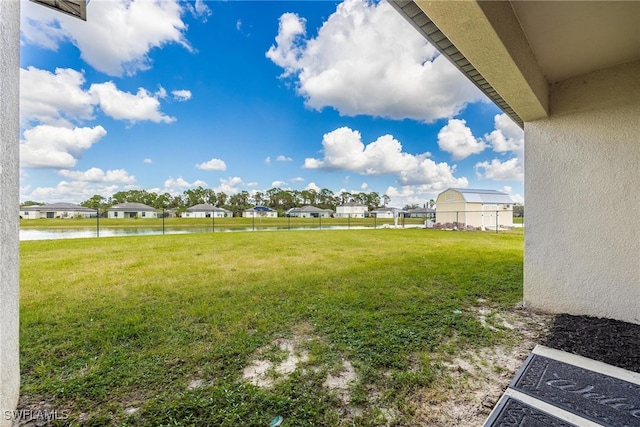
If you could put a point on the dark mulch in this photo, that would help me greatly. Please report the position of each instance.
(610, 341)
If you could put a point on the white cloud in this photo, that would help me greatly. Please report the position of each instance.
(148, 161)
(344, 150)
(282, 158)
(229, 186)
(54, 98)
(182, 183)
(497, 170)
(201, 10)
(119, 176)
(364, 186)
(65, 191)
(125, 106)
(366, 59)
(518, 198)
(212, 165)
(161, 93)
(47, 146)
(456, 138)
(409, 195)
(278, 184)
(312, 186)
(58, 99)
(506, 138)
(117, 37)
(297, 180)
(181, 95)
(268, 160)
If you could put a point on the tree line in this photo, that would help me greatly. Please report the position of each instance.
(274, 198)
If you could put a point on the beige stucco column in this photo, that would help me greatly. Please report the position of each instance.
(582, 239)
(9, 207)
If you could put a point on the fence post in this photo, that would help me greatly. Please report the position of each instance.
(98, 222)
(213, 220)
(457, 222)
(320, 218)
(496, 221)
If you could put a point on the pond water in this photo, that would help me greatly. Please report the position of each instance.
(73, 233)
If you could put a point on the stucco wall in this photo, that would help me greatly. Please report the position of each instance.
(582, 186)
(9, 208)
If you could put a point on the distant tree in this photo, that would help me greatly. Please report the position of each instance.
(326, 199)
(518, 211)
(411, 206)
(32, 203)
(431, 203)
(222, 199)
(258, 198)
(239, 202)
(117, 198)
(372, 200)
(271, 197)
(97, 202)
(345, 197)
(386, 199)
(308, 197)
(195, 196)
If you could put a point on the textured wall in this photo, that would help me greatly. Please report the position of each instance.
(582, 185)
(9, 207)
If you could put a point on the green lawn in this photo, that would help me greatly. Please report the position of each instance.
(164, 326)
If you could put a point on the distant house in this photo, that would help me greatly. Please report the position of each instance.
(351, 210)
(386, 212)
(477, 208)
(170, 213)
(421, 213)
(309, 212)
(259, 211)
(56, 210)
(205, 210)
(131, 210)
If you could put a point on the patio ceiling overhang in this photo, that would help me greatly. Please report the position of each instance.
(514, 50)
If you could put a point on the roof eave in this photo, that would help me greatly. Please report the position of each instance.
(496, 58)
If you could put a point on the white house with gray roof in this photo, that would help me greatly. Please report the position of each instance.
(476, 208)
(386, 212)
(309, 212)
(259, 211)
(206, 210)
(56, 210)
(351, 210)
(131, 210)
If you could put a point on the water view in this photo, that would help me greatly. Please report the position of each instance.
(71, 233)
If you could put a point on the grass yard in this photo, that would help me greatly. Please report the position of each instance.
(325, 328)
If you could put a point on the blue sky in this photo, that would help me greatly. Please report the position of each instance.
(242, 95)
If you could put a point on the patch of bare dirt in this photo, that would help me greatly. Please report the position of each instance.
(474, 380)
(342, 381)
(265, 371)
